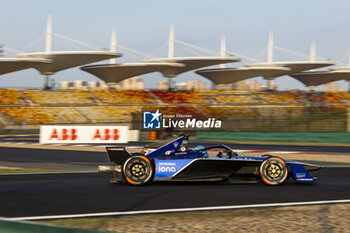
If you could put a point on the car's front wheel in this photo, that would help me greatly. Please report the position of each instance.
(273, 171)
(138, 170)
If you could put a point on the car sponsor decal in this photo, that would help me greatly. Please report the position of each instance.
(300, 173)
(168, 168)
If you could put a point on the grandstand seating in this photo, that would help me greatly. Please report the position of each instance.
(80, 106)
(283, 98)
(334, 97)
(109, 113)
(43, 115)
(180, 97)
(10, 96)
(59, 97)
(14, 97)
(245, 97)
(252, 112)
(124, 96)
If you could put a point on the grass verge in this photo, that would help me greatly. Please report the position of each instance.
(316, 218)
(25, 170)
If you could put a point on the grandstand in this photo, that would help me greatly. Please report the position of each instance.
(59, 97)
(240, 110)
(253, 112)
(124, 96)
(119, 114)
(11, 97)
(180, 97)
(43, 115)
(252, 98)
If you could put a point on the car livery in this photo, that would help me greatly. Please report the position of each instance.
(174, 161)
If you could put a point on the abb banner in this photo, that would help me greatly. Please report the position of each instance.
(83, 134)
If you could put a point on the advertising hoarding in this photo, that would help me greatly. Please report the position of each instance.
(83, 134)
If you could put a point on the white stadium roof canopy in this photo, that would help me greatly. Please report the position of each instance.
(316, 78)
(191, 63)
(8, 65)
(111, 73)
(62, 60)
(294, 66)
(268, 70)
(231, 75)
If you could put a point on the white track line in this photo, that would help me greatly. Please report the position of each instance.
(47, 173)
(179, 210)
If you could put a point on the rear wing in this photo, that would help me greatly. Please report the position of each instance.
(117, 155)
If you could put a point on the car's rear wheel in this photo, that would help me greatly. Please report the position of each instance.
(138, 170)
(273, 171)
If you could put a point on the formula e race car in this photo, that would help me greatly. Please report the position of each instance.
(176, 162)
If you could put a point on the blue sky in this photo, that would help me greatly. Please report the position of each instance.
(144, 26)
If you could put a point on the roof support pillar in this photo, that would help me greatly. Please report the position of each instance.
(269, 83)
(48, 34)
(170, 84)
(313, 51)
(223, 49)
(270, 48)
(113, 46)
(171, 42)
(47, 82)
(312, 88)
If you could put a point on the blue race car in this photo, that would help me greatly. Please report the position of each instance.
(176, 162)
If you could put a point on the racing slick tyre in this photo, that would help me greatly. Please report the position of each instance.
(138, 170)
(273, 171)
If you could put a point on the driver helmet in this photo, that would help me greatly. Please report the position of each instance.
(204, 152)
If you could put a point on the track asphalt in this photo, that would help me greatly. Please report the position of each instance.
(58, 194)
(51, 159)
(80, 160)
